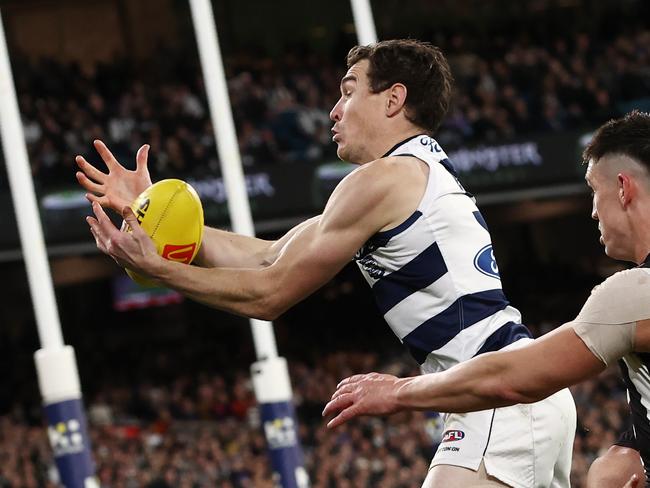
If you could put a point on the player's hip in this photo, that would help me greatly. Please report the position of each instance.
(522, 445)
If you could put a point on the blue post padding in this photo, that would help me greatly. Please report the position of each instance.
(281, 432)
(435, 426)
(67, 430)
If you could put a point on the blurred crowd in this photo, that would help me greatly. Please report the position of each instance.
(505, 87)
(205, 431)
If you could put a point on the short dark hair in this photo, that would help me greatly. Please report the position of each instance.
(629, 135)
(419, 66)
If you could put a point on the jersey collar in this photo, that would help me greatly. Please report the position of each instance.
(394, 148)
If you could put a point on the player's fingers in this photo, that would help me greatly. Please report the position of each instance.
(103, 201)
(94, 236)
(94, 225)
(343, 417)
(106, 154)
(141, 158)
(351, 379)
(107, 231)
(100, 215)
(89, 184)
(338, 403)
(131, 220)
(89, 170)
(96, 232)
(348, 388)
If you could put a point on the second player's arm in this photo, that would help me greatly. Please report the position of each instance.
(523, 375)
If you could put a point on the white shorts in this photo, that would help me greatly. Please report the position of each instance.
(524, 446)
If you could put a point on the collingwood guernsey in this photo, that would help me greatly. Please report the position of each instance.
(434, 276)
(635, 368)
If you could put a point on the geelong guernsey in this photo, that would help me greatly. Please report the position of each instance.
(434, 276)
(635, 368)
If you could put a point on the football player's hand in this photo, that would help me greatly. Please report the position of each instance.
(363, 394)
(120, 187)
(133, 249)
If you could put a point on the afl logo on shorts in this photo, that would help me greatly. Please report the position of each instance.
(453, 435)
(485, 262)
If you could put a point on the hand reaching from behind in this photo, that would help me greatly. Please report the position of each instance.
(120, 186)
(363, 394)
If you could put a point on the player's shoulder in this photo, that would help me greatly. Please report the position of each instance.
(634, 278)
(398, 171)
(389, 163)
(383, 191)
(385, 173)
(621, 298)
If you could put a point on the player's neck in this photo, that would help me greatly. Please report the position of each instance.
(387, 144)
(641, 234)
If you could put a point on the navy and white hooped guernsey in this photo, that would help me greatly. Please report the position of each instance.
(434, 276)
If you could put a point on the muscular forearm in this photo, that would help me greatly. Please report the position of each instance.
(227, 249)
(261, 292)
(473, 385)
(242, 291)
(521, 375)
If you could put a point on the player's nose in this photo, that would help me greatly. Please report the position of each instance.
(337, 112)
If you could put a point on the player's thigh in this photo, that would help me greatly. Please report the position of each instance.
(447, 476)
(615, 468)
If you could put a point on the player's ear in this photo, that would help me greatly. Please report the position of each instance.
(626, 189)
(396, 99)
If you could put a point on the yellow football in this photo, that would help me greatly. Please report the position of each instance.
(170, 212)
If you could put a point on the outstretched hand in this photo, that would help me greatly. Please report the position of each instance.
(120, 187)
(363, 394)
(134, 250)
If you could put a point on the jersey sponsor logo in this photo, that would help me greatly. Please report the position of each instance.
(367, 262)
(453, 435)
(368, 248)
(485, 262)
(372, 267)
(182, 254)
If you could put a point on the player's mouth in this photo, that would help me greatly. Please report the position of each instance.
(335, 135)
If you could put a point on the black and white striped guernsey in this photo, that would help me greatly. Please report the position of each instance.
(635, 368)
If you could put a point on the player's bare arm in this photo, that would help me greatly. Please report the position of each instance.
(359, 207)
(525, 375)
(498, 379)
(227, 249)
